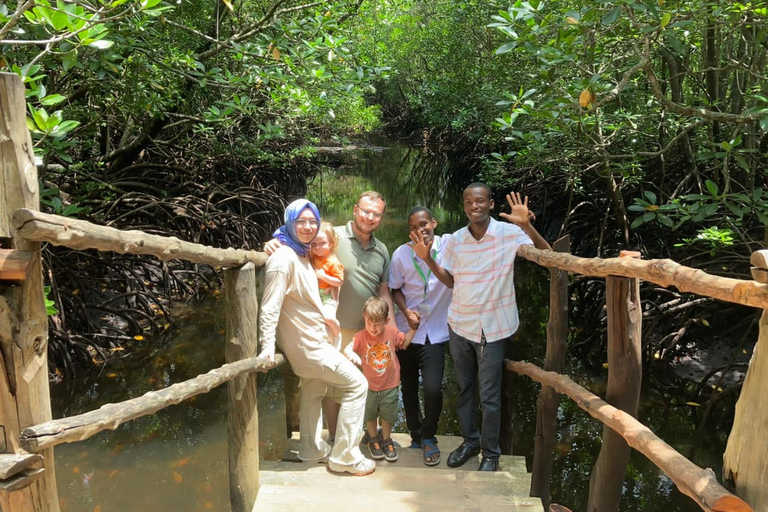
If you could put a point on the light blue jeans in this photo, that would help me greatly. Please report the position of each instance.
(478, 365)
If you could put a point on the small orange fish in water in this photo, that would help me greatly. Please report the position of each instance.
(177, 477)
(83, 455)
(183, 462)
(76, 470)
(117, 449)
(208, 504)
(97, 508)
(112, 473)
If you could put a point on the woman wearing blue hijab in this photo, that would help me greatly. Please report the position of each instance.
(291, 315)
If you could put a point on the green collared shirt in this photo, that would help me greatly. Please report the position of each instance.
(364, 270)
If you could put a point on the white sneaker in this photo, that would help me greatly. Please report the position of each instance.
(362, 468)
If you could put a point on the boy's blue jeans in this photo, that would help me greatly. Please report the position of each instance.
(479, 365)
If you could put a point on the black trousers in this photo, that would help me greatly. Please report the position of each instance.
(429, 361)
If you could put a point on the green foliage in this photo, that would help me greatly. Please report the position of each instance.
(131, 76)
(50, 305)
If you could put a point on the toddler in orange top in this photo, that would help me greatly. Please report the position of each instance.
(330, 273)
(373, 349)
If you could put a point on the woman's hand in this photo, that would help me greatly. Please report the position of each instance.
(268, 354)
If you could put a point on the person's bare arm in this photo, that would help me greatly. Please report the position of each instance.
(272, 246)
(408, 338)
(520, 216)
(424, 251)
(384, 294)
(411, 316)
(327, 278)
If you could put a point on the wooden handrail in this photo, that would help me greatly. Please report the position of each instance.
(699, 484)
(80, 234)
(111, 416)
(663, 272)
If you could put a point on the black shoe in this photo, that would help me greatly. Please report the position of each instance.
(461, 455)
(489, 464)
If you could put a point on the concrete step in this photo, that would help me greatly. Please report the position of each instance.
(296, 486)
(412, 457)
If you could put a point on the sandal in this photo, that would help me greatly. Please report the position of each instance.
(431, 452)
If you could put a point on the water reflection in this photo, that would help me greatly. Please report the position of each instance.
(177, 458)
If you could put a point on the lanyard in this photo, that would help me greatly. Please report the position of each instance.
(421, 272)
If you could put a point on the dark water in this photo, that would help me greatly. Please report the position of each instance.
(177, 458)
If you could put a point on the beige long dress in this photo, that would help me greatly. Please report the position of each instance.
(291, 315)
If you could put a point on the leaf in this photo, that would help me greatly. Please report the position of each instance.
(764, 124)
(704, 322)
(712, 187)
(138, 337)
(587, 98)
(651, 196)
(694, 404)
(665, 19)
(571, 20)
(229, 5)
(611, 16)
(508, 47)
(102, 44)
(53, 99)
(665, 220)
(676, 45)
(69, 60)
(275, 53)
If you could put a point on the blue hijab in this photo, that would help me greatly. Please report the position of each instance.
(287, 232)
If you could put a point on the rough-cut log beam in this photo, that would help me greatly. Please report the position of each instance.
(549, 400)
(16, 265)
(745, 461)
(12, 463)
(21, 480)
(111, 416)
(625, 373)
(24, 392)
(662, 272)
(699, 484)
(242, 411)
(79, 234)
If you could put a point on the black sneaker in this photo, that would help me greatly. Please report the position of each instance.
(390, 453)
(377, 449)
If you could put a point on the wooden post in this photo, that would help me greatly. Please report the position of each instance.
(24, 394)
(243, 415)
(745, 461)
(623, 392)
(549, 400)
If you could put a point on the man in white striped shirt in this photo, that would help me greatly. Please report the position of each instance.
(478, 263)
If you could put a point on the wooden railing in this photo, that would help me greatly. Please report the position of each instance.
(745, 454)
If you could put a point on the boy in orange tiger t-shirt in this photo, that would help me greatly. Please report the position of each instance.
(373, 349)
